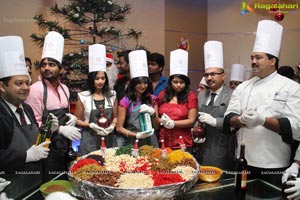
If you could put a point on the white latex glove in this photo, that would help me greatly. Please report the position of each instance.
(146, 108)
(144, 134)
(3, 184)
(70, 132)
(35, 153)
(59, 196)
(166, 121)
(72, 120)
(292, 170)
(295, 190)
(110, 129)
(199, 140)
(251, 118)
(4, 197)
(99, 130)
(207, 118)
(54, 123)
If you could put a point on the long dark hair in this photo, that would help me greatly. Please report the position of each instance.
(130, 92)
(182, 96)
(91, 87)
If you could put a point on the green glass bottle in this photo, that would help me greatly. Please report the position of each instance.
(45, 132)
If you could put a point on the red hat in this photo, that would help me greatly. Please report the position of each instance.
(110, 58)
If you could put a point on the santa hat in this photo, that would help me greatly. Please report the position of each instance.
(110, 58)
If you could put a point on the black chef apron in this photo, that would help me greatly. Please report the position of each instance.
(132, 123)
(218, 148)
(30, 177)
(90, 141)
(57, 161)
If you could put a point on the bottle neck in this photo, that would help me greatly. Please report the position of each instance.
(242, 152)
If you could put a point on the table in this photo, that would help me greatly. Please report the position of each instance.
(224, 189)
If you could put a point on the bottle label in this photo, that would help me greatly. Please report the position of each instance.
(244, 179)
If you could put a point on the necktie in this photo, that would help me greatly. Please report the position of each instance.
(212, 99)
(22, 116)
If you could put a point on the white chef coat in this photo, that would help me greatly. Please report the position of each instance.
(273, 96)
(87, 100)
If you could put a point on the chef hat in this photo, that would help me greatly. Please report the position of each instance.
(138, 64)
(97, 58)
(238, 73)
(110, 58)
(213, 54)
(53, 46)
(268, 37)
(203, 81)
(179, 62)
(12, 61)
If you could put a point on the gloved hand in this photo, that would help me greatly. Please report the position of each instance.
(166, 121)
(72, 120)
(207, 118)
(35, 153)
(54, 123)
(295, 190)
(292, 170)
(99, 130)
(251, 118)
(110, 129)
(4, 197)
(70, 132)
(3, 184)
(146, 108)
(199, 140)
(144, 134)
(59, 196)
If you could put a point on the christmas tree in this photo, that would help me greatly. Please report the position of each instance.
(85, 22)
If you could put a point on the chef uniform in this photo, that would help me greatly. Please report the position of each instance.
(218, 148)
(90, 141)
(138, 68)
(16, 138)
(272, 96)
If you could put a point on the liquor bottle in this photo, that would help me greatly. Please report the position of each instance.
(45, 133)
(103, 146)
(135, 150)
(241, 171)
(145, 121)
(163, 149)
(103, 121)
(181, 143)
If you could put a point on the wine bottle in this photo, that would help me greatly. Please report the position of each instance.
(45, 133)
(241, 171)
(103, 121)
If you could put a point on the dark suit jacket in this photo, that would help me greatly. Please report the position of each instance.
(222, 101)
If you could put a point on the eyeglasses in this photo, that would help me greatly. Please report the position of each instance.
(212, 74)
